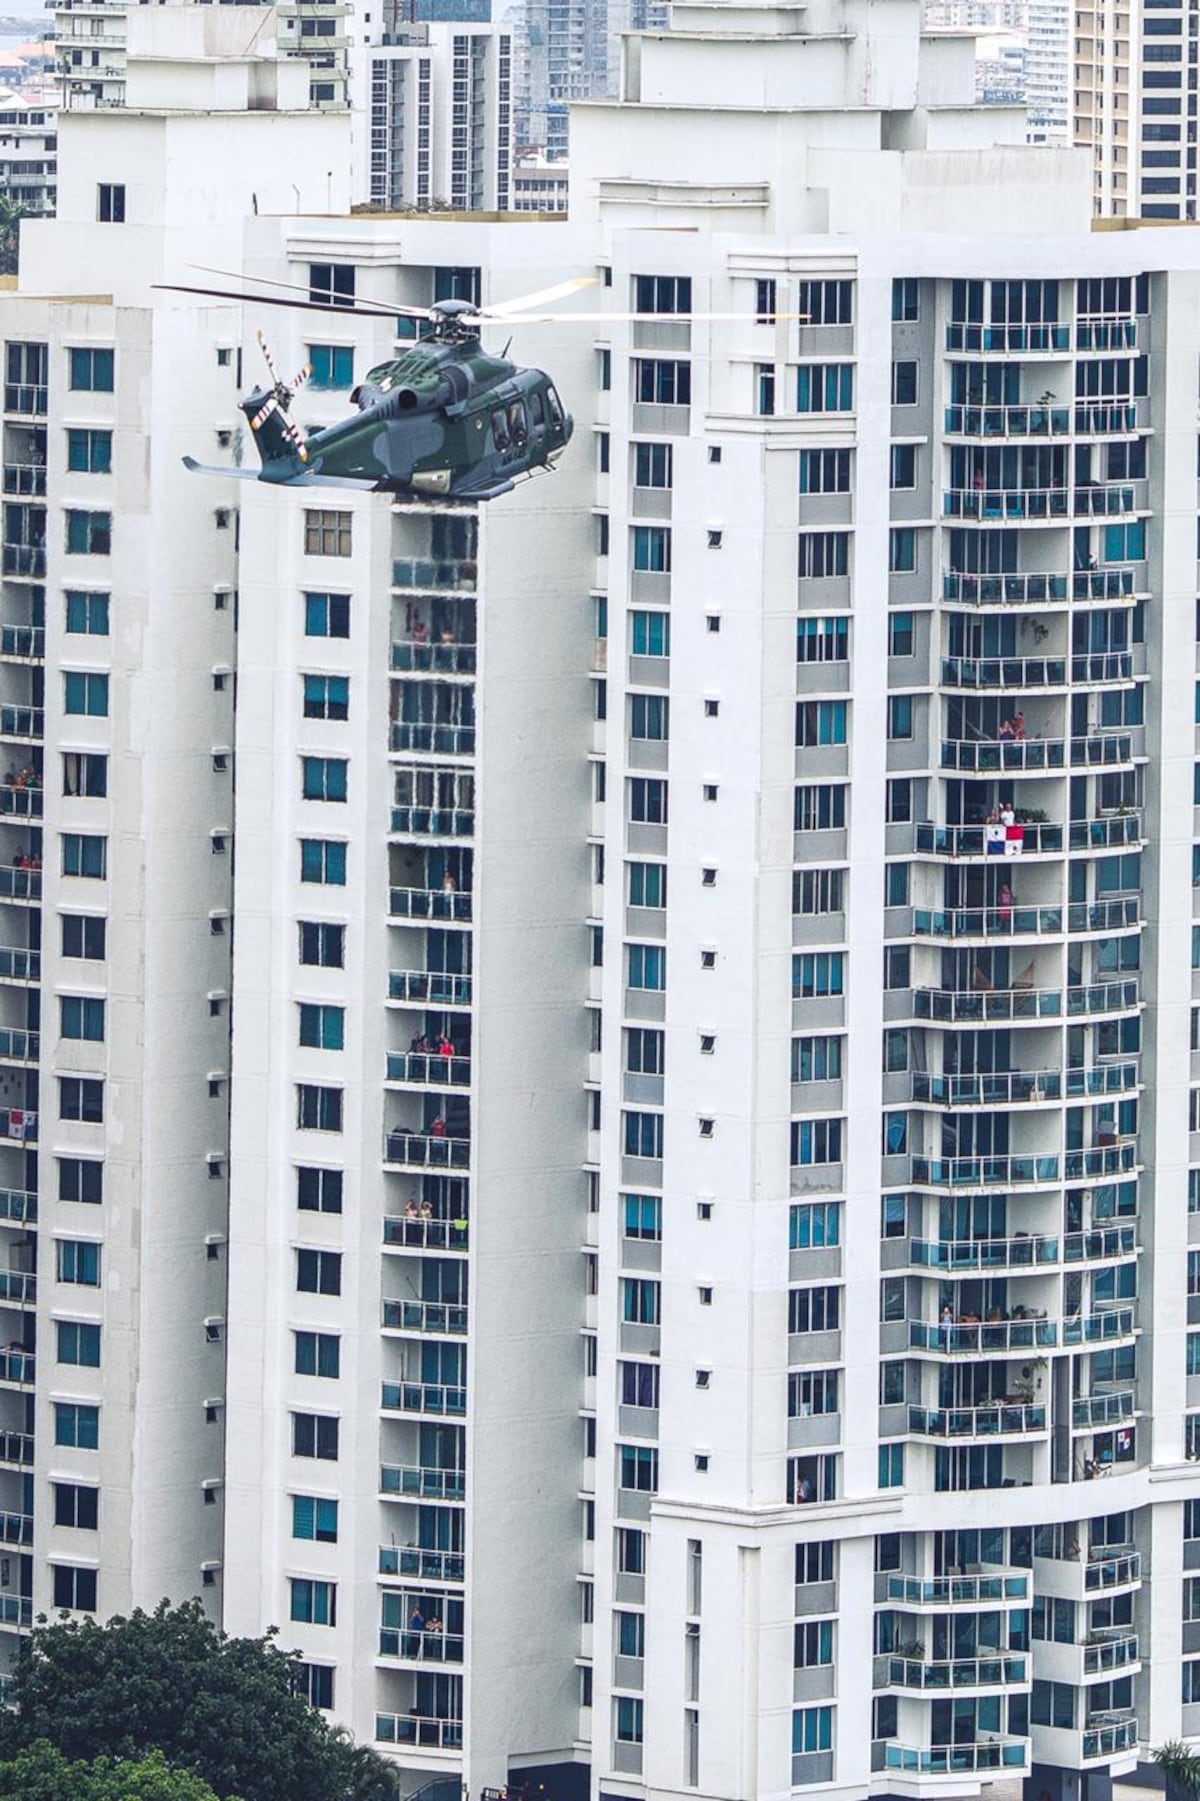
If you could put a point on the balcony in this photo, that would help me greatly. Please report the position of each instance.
(1000, 1419)
(1003, 1089)
(1102, 1245)
(1102, 1572)
(1103, 1410)
(421, 1647)
(29, 398)
(942, 1592)
(1107, 584)
(16, 1448)
(1008, 503)
(20, 884)
(1009, 673)
(1101, 1160)
(19, 965)
(1104, 333)
(413, 1560)
(418, 1731)
(1008, 421)
(973, 1006)
(428, 1071)
(18, 1204)
(23, 722)
(18, 1124)
(1100, 419)
(21, 803)
(1012, 1171)
(424, 575)
(1008, 1754)
(1011, 754)
(1107, 1737)
(423, 1397)
(968, 1254)
(16, 1610)
(446, 1319)
(423, 1150)
(1101, 500)
(18, 1046)
(445, 740)
(1079, 1663)
(438, 659)
(18, 1367)
(16, 1528)
(1099, 1328)
(1050, 339)
(429, 903)
(433, 822)
(1005, 1669)
(970, 1337)
(25, 478)
(27, 643)
(430, 987)
(1080, 834)
(1003, 590)
(1102, 997)
(425, 1234)
(18, 1287)
(418, 1482)
(25, 559)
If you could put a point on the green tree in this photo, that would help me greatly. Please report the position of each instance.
(1180, 1766)
(223, 1708)
(40, 1773)
(11, 214)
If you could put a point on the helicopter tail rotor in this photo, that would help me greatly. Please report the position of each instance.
(278, 401)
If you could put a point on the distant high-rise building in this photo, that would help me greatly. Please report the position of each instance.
(1135, 106)
(1048, 71)
(438, 116)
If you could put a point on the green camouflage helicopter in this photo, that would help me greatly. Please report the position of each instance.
(444, 419)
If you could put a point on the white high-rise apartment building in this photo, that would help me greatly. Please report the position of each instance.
(713, 1147)
(1135, 106)
(436, 112)
(1048, 72)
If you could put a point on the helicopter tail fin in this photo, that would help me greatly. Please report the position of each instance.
(276, 437)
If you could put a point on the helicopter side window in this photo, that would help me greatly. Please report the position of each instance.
(555, 405)
(517, 423)
(537, 411)
(500, 428)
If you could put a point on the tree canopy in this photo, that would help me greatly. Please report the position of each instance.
(223, 1709)
(40, 1773)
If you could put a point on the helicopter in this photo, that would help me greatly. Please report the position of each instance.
(442, 420)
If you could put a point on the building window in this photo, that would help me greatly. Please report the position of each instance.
(650, 634)
(318, 1272)
(647, 885)
(649, 717)
(81, 1016)
(84, 854)
(327, 615)
(318, 1109)
(315, 1517)
(666, 294)
(84, 935)
(900, 635)
(88, 534)
(331, 284)
(900, 716)
(825, 471)
(91, 371)
(324, 778)
(322, 945)
(77, 1424)
(332, 365)
(77, 1506)
(662, 382)
(825, 303)
(906, 299)
(85, 773)
(816, 1059)
(652, 465)
(812, 1730)
(89, 452)
(313, 1603)
(891, 1466)
(81, 1098)
(110, 203)
(81, 1179)
(75, 1589)
(327, 533)
(314, 1682)
(816, 891)
(87, 613)
(904, 384)
(825, 388)
(816, 1141)
(322, 1027)
(647, 966)
(638, 1468)
(78, 1343)
(820, 722)
(816, 974)
(904, 466)
(318, 1190)
(822, 555)
(85, 692)
(819, 807)
(315, 1435)
(652, 549)
(319, 1353)
(327, 697)
(323, 860)
(648, 800)
(77, 1261)
(902, 550)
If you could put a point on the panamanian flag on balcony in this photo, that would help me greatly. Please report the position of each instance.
(1004, 840)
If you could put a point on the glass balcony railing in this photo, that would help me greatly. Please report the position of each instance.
(974, 1336)
(417, 1729)
(1105, 584)
(425, 1150)
(1004, 1669)
(1103, 1244)
(24, 559)
(1103, 1410)
(984, 1172)
(1004, 672)
(956, 1591)
(966, 1254)
(951, 1760)
(1002, 1089)
(21, 803)
(18, 1203)
(426, 1234)
(25, 397)
(431, 1071)
(22, 722)
(16, 1528)
(20, 965)
(1103, 997)
(1101, 1160)
(16, 1610)
(1100, 419)
(16, 1448)
(25, 641)
(17, 1046)
(429, 903)
(446, 740)
(1099, 1328)
(1105, 334)
(457, 575)
(423, 1397)
(25, 478)
(1080, 834)
(1032, 340)
(17, 1123)
(1106, 1571)
(20, 884)
(1003, 589)
(434, 822)
(441, 659)
(436, 987)
(445, 1318)
(1096, 749)
(1008, 421)
(422, 1647)
(1007, 503)
(422, 1482)
(1108, 1740)
(999, 1419)
(957, 1006)
(19, 1286)
(1025, 922)
(1102, 500)
(414, 1560)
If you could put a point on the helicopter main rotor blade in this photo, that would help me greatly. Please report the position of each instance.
(514, 319)
(505, 309)
(308, 306)
(296, 287)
